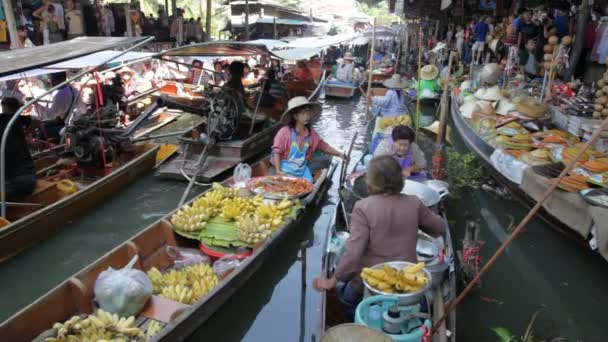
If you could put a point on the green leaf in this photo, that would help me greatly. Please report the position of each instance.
(503, 334)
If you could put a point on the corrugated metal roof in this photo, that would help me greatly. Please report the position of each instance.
(20, 60)
(218, 49)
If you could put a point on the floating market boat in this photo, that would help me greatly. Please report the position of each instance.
(441, 267)
(178, 321)
(335, 88)
(565, 212)
(307, 88)
(247, 140)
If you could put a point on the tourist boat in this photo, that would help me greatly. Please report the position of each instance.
(558, 219)
(246, 143)
(335, 88)
(75, 295)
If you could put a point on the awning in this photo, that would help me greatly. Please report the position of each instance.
(93, 59)
(26, 74)
(217, 49)
(321, 42)
(15, 61)
(295, 54)
(359, 41)
(269, 43)
(381, 32)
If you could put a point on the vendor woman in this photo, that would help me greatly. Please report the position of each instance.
(401, 146)
(295, 143)
(393, 102)
(429, 87)
(383, 228)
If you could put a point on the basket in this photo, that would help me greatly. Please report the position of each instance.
(415, 327)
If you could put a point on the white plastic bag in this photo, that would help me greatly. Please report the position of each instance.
(124, 291)
(242, 174)
(224, 265)
(184, 257)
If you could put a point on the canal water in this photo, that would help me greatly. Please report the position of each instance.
(541, 270)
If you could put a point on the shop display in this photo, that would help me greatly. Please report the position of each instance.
(392, 280)
(101, 326)
(186, 285)
(279, 187)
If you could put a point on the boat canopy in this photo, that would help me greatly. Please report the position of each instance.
(322, 41)
(235, 49)
(20, 60)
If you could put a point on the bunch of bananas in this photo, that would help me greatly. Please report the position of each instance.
(390, 280)
(274, 214)
(387, 122)
(238, 206)
(191, 218)
(186, 285)
(250, 230)
(97, 327)
(153, 328)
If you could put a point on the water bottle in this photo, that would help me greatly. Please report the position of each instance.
(375, 317)
(392, 320)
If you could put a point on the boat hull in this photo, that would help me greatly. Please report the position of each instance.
(341, 91)
(41, 224)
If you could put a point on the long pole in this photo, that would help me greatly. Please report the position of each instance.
(520, 226)
(14, 118)
(371, 64)
(443, 116)
(419, 80)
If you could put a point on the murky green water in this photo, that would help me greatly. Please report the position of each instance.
(540, 269)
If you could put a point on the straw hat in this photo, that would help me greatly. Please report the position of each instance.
(126, 70)
(395, 82)
(429, 72)
(505, 107)
(348, 55)
(299, 102)
(531, 108)
(489, 94)
(434, 128)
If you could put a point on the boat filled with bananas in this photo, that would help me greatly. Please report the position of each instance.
(168, 287)
(527, 145)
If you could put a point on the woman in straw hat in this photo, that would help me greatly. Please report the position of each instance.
(346, 72)
(384, 227)
(393, 102)
(401, 146)
(295, 143)
(429, 88)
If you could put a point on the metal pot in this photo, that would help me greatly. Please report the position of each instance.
(425, 193)
(426, 251)
(442, 188)
(404, 298)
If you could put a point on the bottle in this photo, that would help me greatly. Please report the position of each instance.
(392, 320)
(375, 317)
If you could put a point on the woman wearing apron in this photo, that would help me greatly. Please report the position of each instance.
(295, 143)
(406, 152)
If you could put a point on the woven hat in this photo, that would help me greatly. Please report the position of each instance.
(505, 107)
(531, 108)
(395, 82)
(348, 55)
(126, 70)
(299, 102)
(489, 94)
(429, 72)
(434, 128)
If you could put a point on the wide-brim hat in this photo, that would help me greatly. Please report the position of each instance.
(531, 108)
(395, 82)
(505, 107)
(429, 72)
(348, 55)
(489, 94)
(434, 128)
(299, 102)
(126, 70)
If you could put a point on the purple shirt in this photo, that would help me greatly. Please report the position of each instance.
(481, 31)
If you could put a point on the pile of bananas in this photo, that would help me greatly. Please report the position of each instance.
(97, 327)
(153, 328)
(273, 214)
(394, 121)
(238, 206)
(251, 230)
(191, 218)
(186, 285)
(391, 280)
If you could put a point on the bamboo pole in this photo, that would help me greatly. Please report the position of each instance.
(520, 226)
(419, 80)
(371, 65)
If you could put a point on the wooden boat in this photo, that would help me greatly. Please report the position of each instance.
(340, 89)
(187, 94)
(483, 151)
(75, 295)
(331, 309)
(51, 206)
(306, 88)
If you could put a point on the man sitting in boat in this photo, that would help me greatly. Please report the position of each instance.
(132, 83)
(346, 72)
(383, 227)
(393, 102)
(196, 73)
(302, 72)
(429, 87)
(235, 81)
(51, 115)
(401, 146)
(295, 143)
(219, 77)
(20, 171)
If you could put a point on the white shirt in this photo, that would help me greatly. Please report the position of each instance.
(62, 100)
(345, 72)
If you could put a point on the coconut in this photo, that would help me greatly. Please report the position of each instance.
(547, 65)
(598, 107)
(548, 57)
(566, 40)
(548, 48)
(596, 115)
(553, 40)
(605, 78)
(605, 89)
(599, 93)
(601, 83)
(605, 112)
(601, 100)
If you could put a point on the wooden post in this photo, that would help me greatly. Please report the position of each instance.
(208, 20)
(419, 80)
(577, 48)
(246, 20)
(129, 23)
(9, 14)
(371, 64)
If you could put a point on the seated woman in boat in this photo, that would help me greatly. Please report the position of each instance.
(295, 143)
(401, 146)
(20, 171)
(194, 76)
(383, 227)
(302, 72)
(132, 83)
(219, 77)
(393, 101)
(346, 72)
(378, 56)
(235, 81)
(429, 87)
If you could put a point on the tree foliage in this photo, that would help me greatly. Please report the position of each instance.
(379, 10)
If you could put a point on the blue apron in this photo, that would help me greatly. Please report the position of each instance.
(295, 164)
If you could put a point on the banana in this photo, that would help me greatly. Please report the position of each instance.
(153, 329)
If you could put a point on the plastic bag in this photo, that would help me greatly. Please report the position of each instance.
(242, 174)
(124, 291)
(184, 257)
(224, 265)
